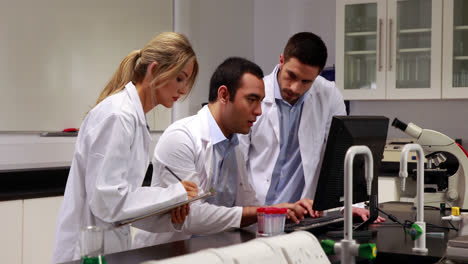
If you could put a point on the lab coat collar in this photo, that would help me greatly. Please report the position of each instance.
(269, 101)
(210, 131)
(206, 141)
(216, 134)
(276, 89)
(133, 94)
(270, 93)
(205, 129)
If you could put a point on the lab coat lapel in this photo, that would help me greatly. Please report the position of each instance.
(136, 102)
(307, 121)
(269, 104)
(207, 145)
(135, 98)
(274, 121)
(309, 140)
(209, 165)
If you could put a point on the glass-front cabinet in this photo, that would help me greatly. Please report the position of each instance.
(389, 49)
(360, 49)
(455, 52)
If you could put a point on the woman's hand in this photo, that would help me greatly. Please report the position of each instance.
(191, 188)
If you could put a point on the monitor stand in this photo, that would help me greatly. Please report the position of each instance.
(362, 231)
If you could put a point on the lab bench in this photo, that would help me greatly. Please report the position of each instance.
(393, 244)
(30, 198)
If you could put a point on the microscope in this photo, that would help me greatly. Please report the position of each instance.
(444, 155)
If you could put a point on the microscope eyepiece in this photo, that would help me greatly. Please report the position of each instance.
(398, 124)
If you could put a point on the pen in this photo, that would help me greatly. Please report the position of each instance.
(212, 190)
(177, 177)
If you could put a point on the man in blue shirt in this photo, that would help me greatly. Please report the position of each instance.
(284, 147)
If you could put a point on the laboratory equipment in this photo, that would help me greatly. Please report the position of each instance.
(273, 221)
(439, 150)
(418, 229)
(310, 224)
(460, 219)
(435, 179)
(260, 220)
(347, 247)
(92, 245)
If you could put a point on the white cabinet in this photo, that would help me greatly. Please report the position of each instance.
(11, 229)
(27, 230)
(39, 229)
(455, 53)
(389, 49)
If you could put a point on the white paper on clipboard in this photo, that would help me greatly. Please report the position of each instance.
(164, 209)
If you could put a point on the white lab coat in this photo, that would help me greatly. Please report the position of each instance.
(261, 146)
(186, 148)
(104, 184)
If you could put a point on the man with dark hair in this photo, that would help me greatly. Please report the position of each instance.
(204, 149)
(228, 78)
(229, 74)
(284, 148)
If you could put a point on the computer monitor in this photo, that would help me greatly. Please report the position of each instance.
(347, 131)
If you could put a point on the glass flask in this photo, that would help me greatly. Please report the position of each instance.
(92, 245)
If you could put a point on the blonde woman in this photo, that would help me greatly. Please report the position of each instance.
(112, 150)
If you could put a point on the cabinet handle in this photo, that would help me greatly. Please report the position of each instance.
(380, 45)
(390, 29)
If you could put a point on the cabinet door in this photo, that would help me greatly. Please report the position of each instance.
(11, 224)
(414, 49)
(39, 229)
(360, 45)
(455, 64)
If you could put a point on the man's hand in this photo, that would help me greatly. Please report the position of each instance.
(191, 188)
(180, 213)
(307, 203)
(296, 211)
(364, 214)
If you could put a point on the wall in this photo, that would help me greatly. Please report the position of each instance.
(446, 116)
(58, 55)
(217, 29)
(277, 20)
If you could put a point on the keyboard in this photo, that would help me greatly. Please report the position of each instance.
(311, 223)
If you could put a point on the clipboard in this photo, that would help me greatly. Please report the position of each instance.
(165, 209)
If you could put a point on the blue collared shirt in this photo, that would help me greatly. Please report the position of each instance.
(225, 185)
(287, 181)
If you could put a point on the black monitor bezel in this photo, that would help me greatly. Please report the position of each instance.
(322, 199)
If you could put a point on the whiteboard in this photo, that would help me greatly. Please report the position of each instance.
(57, 56)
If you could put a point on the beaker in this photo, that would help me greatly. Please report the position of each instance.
(92, 245)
